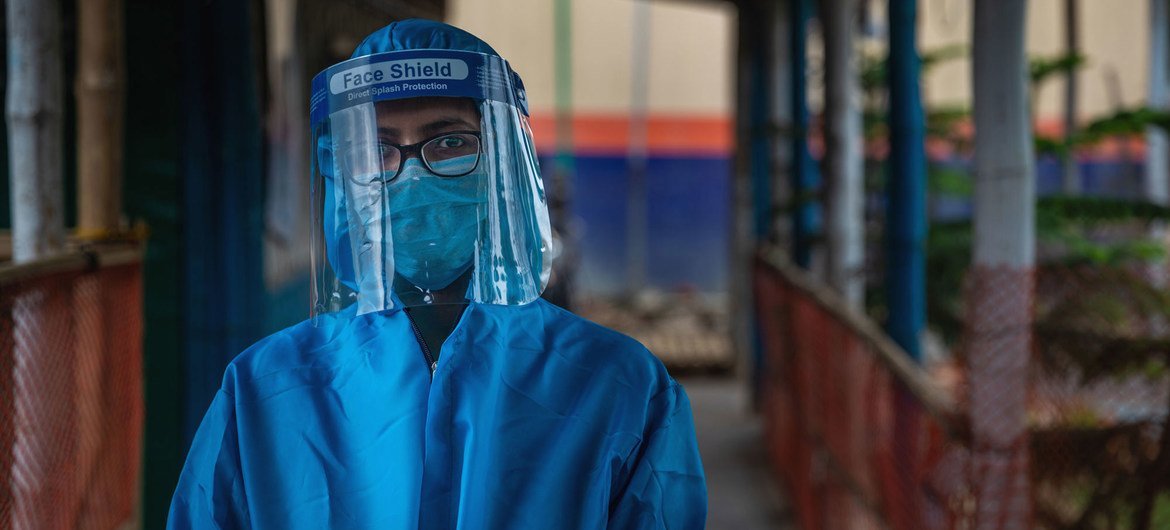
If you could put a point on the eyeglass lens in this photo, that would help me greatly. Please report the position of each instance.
(449, 155)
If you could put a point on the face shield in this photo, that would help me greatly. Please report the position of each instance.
(425, 184)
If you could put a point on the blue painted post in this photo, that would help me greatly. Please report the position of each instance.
(754, 163)
(804, 170)
(905, 185)
(905, 231)
(222, 300)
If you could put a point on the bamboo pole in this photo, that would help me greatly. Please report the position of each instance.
(100, 103)
(34, 110)
(98, 89)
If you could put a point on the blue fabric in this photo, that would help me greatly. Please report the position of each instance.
(534, 418)
(420, 34)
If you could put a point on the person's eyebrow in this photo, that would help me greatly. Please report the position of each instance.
(445, 124)
(432, 128)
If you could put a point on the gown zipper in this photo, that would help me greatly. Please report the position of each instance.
(431, 362)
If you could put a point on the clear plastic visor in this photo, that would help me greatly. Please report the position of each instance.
(426, 200)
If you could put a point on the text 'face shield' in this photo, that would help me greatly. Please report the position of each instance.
(425, 184)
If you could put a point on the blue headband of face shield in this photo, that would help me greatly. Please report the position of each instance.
(412, 74)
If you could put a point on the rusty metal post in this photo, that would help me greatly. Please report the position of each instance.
(100, 102)
(34, 114)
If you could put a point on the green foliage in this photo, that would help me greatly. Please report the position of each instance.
(942, 55)
(941, 121)
(1099, 209)
(873, 73)
(1040, 69)
(1047, 145)
(1064, 222)
(873, 124)
(1081, 417)
(873, 67)
(946, 180)
(1095, 316)
(1061, 222)
(1124, 122)
(948, 254)
(1161, 516)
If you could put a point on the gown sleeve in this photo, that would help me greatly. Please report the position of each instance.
(210, 494)
(666, 488)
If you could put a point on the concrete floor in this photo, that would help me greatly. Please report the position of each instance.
(742, 493)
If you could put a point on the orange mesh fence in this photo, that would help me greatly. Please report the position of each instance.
(1050, 413)
(862, 437)
(70, 393)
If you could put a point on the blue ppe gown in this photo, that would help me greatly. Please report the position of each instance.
(534, 418)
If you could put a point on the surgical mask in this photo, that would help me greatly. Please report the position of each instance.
(434, 222)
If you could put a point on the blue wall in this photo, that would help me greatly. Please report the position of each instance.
(688, 222)
(1099, 178)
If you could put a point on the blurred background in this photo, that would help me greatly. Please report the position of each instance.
(908, 257)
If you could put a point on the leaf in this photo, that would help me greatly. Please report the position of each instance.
(1042, 68)
(873, 67)
(941, 120)
(1090, 209)
(936, 56)
(949, 181)
(1124, 122)
(1047, 145)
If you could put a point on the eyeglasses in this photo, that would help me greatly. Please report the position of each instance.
(451, 154)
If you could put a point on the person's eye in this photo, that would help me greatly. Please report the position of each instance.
(452, 142)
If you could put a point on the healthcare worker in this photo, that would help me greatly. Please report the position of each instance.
(432, 387)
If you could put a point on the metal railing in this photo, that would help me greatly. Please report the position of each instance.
(71, 406)
(861, 435)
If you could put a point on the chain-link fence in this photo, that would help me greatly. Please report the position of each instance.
(862, 437)
(1042, 400)
(71, 391)
(1099, 397)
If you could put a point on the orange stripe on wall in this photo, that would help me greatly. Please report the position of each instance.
(1131, 147)
(714, 136)
(610, 134)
